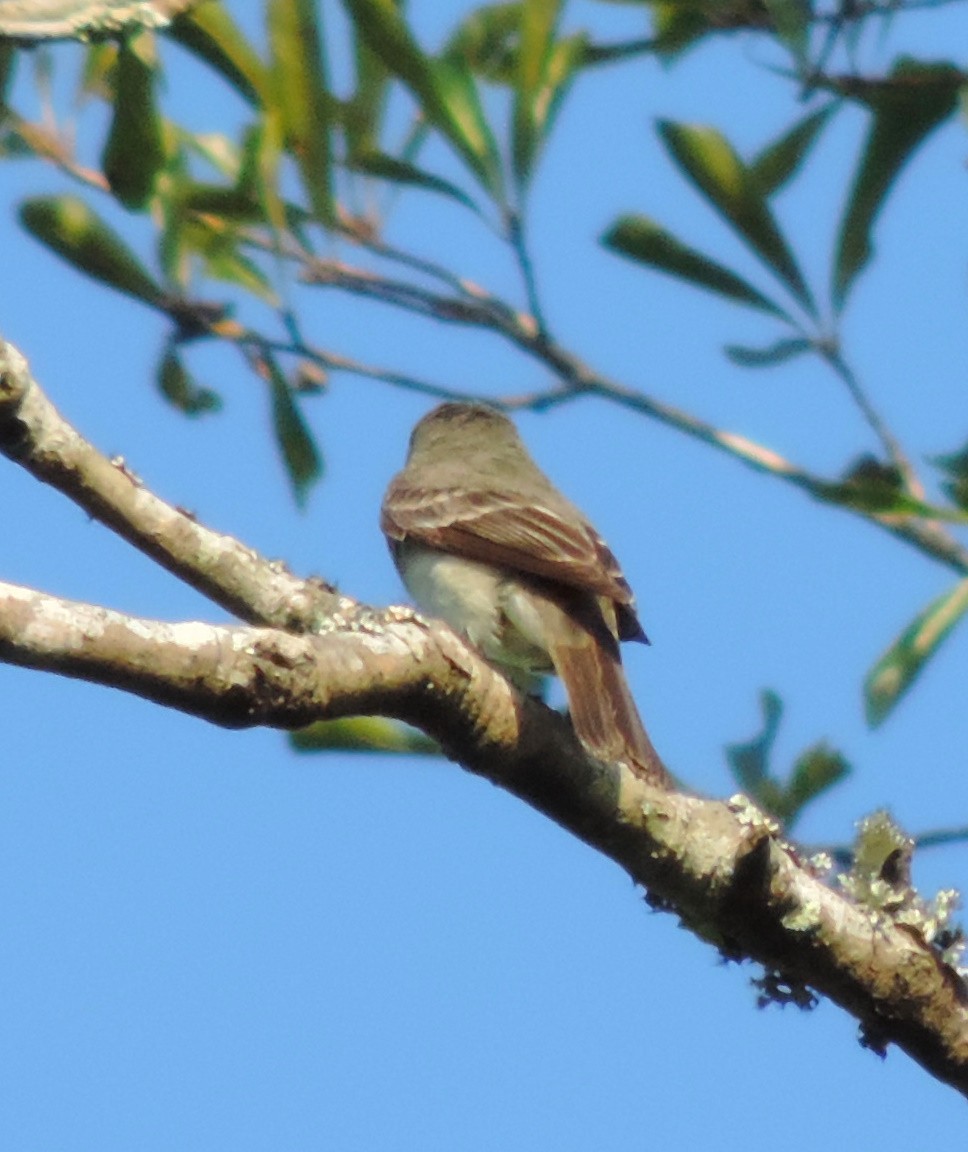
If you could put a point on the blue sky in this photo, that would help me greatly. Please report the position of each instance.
(211, 942)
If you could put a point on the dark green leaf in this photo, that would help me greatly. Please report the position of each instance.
(537, 21)
(464, 122)
(903, 662)
(363, 734)
(750, 761)
(916, 99)
(14, 145)
(545, 69)
(678, 25)
(8, 68)
(301, 94)
(178, 386)
(67, 226)
(216, 242)
(95, 80)
(870, 485)
(300, 455)
(816, 770)
(229, 203)
(780, 161)
(487, 39)
(363, 112)
(791, 18)
(134, 153)
(709, 161)
(955, 466)
(642, 239)
(776, 353)
(400, 172)
(261, 168)
(383, 28)
(443, 88)
(208, 31)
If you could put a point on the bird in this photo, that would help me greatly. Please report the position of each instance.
(483, 539)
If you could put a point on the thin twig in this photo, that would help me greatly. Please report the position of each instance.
(483, 311)
(46, 143)
(35, 435)
(892, 446)
(577, 378)
(516, 235)
(248, 338)
(751, 18)
(385, 251)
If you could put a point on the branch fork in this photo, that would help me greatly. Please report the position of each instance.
(302, 652)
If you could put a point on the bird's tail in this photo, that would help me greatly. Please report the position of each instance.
(579, 633)
(603, 712)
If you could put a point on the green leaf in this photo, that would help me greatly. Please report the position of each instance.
(400, 172)
(134, 153)
(302, 95)
(208, 32)
(906, 108)
(816, 770)
(537, 21)
(709, 161)
(233, 204)
(67, 226)
(876, 488)
(216, 241)
(487, 39)
(14, 145)
(443, 88)
(903, 662)
(750, 761)
(776, 353)
(545, 68)
(363, 734)
(300, 455)
(642, 239)
(678, 25)
(870, 485)
(8, 69)
(261, 170)
(465, 124)
(95, 79)
(179, 388)
(364, 110)
(955, 467)
(791, 18)
(780, 161)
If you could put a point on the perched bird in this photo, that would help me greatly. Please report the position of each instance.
(483, 539)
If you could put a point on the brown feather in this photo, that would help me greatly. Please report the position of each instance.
(495, 527)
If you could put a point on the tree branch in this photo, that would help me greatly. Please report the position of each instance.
(32, 20)
(576, 378)
(35, 435)
(721, 867)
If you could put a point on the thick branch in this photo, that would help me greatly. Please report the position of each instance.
(30, 20)
(35, 435)
(720, 867)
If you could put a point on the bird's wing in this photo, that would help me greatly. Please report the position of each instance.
(496, 527)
